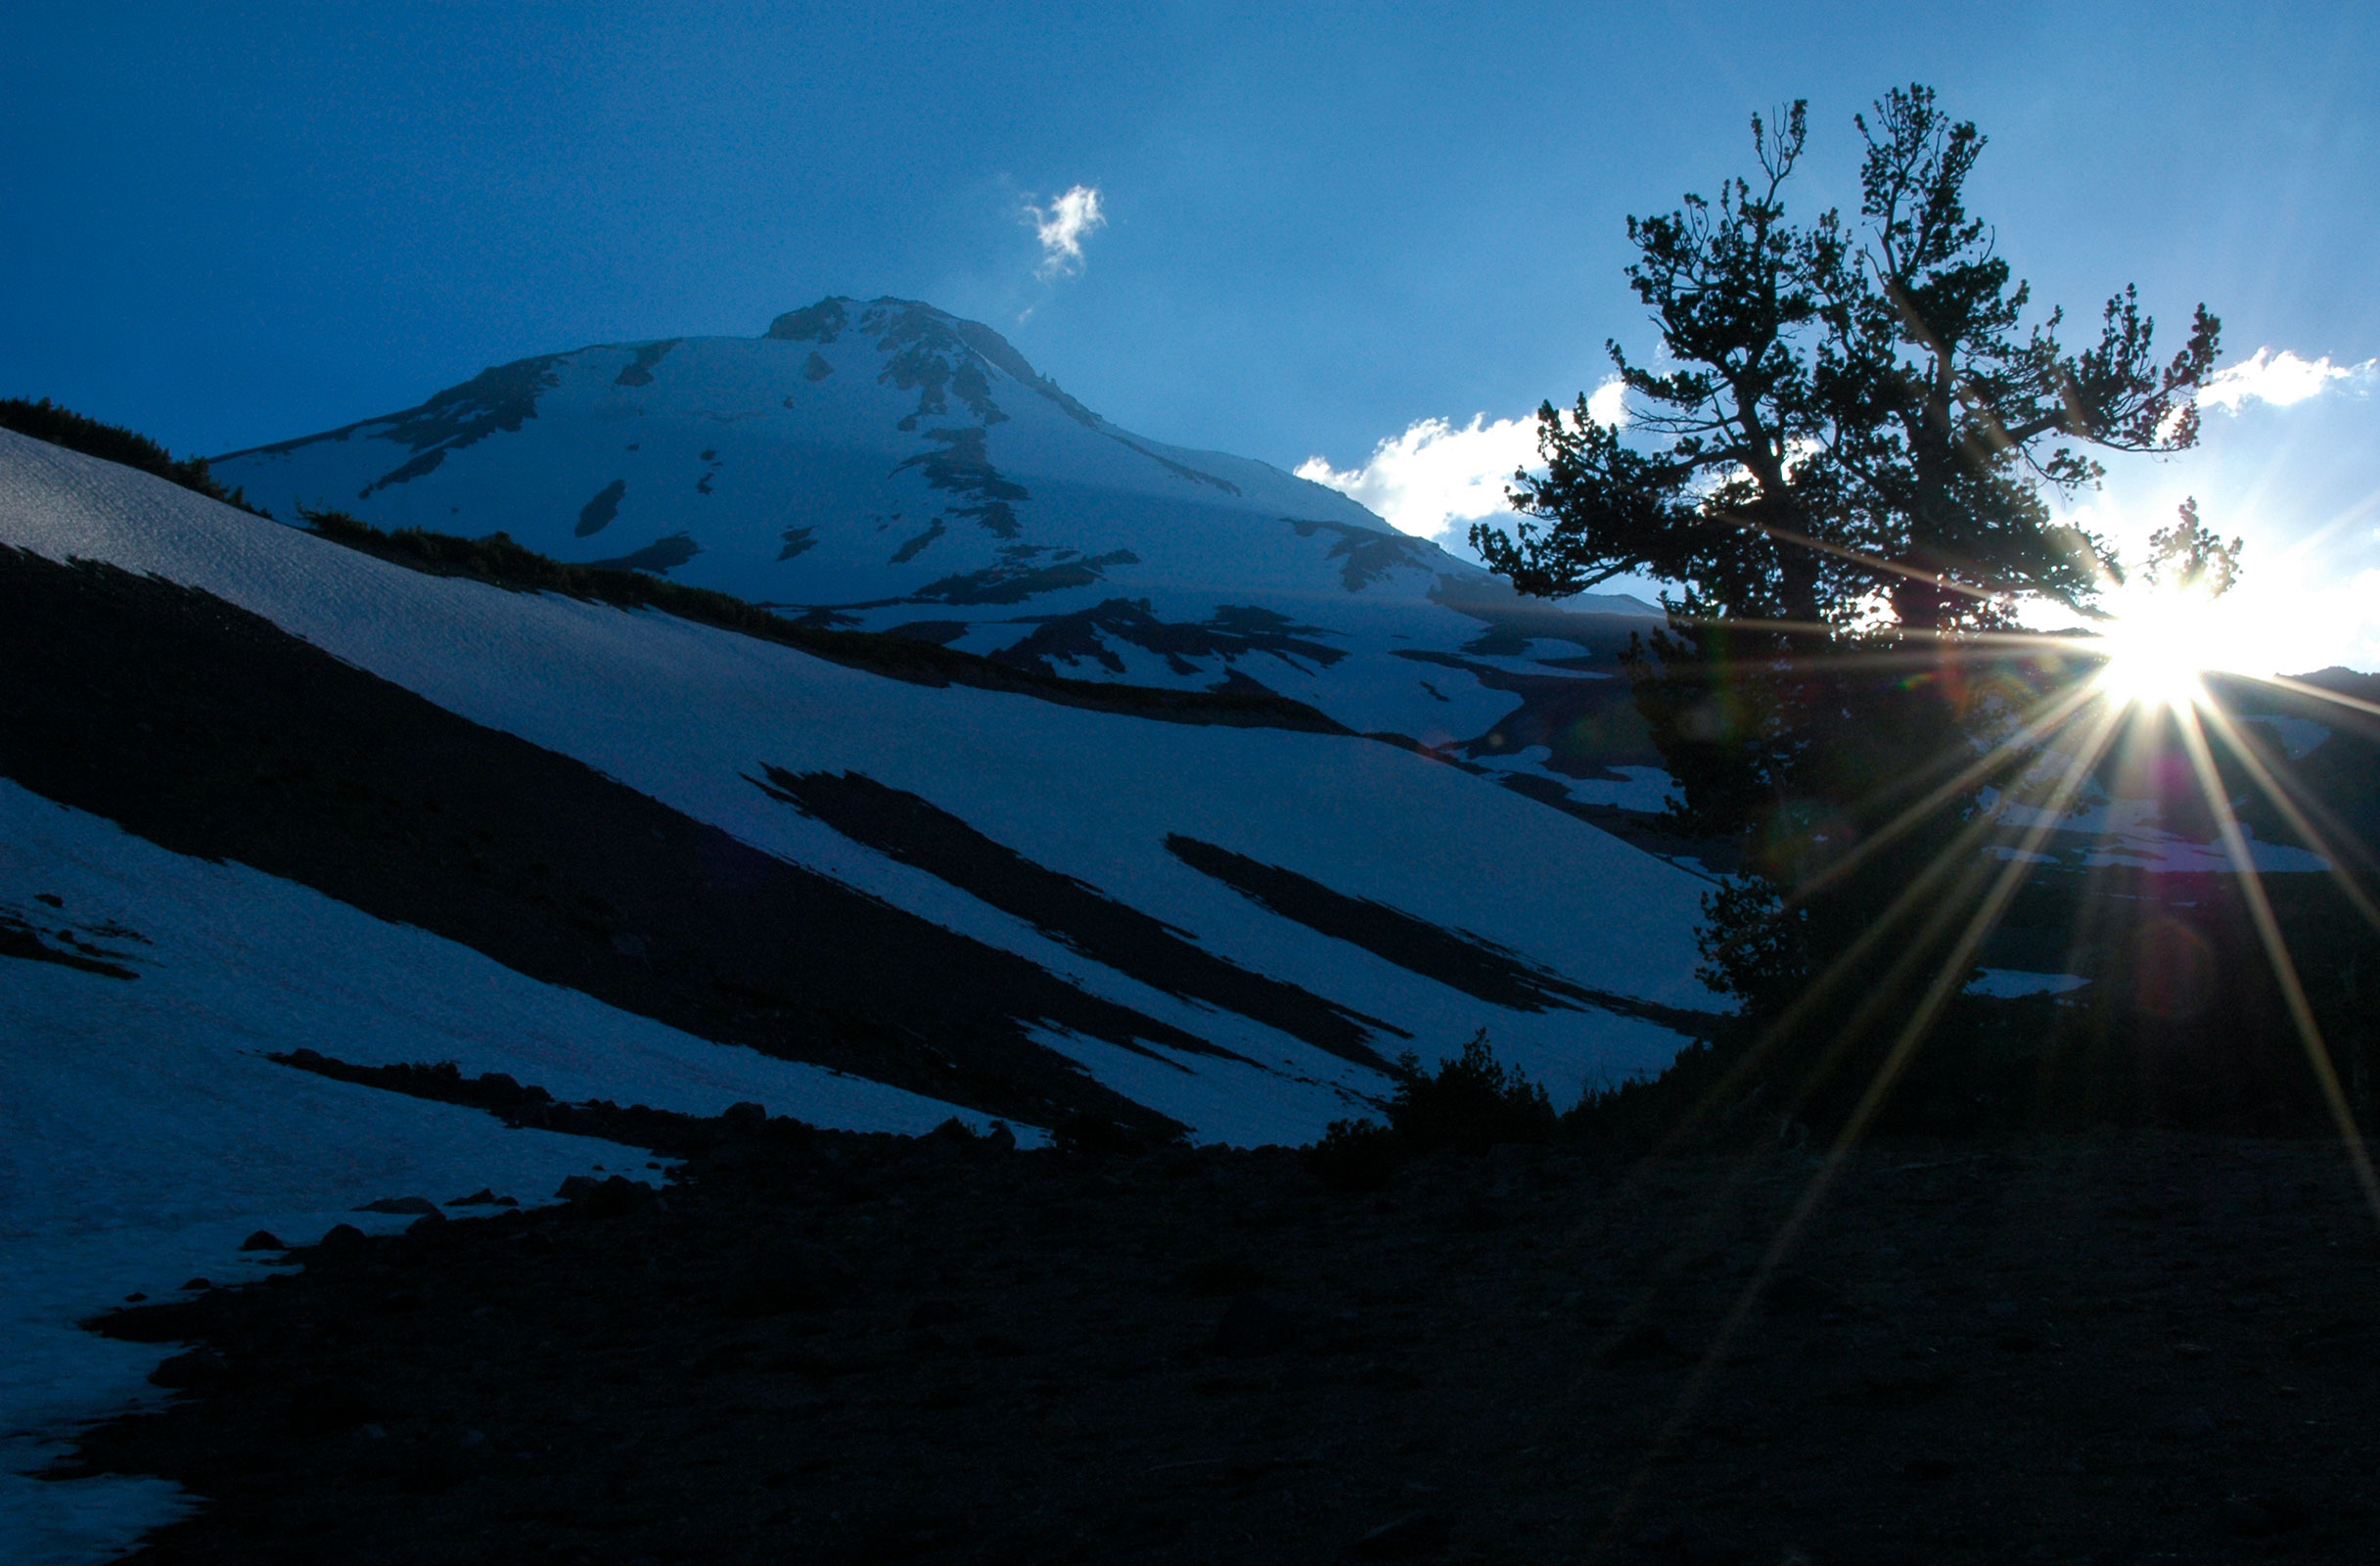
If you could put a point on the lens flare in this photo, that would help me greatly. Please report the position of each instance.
(2156, 648)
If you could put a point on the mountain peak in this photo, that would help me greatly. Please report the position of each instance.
(911, 327)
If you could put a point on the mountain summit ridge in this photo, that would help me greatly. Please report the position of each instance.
(886, 464)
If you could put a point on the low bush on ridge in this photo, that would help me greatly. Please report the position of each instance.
(44, 420)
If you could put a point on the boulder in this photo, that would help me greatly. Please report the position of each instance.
(417, 1206)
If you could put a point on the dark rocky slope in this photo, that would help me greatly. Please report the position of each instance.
(2116, 1348)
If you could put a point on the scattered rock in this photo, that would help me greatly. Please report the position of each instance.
(325, 1408)
(483, 1197)
(263, 1240)
(1643, 1347)
(1421, 1533)
(434, 1465)
(1478, 1215)
(1253, 1326)
(2287, 1512)
(2182, 1424)
(1221, 1276)
(1895, 1388)
(196, 1286)
(341, 1236)
(1792, 1293)
(2333, 1343)
(946, 1394)
(744, 1119)
(201, 1367)
(935, 1314)
(1692, 1544)
(613, 1384)
(605, 1198)
(805, 1278)
(2243, 1518)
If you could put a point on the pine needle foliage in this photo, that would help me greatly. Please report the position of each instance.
(1845, 461)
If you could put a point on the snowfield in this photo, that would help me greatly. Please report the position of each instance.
(691, 716)
(143, 1134)
(884, 465)
(146, 1135)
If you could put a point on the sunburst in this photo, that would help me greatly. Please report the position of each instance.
(2157, 649)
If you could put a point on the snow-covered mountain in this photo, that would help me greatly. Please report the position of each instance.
(1207, 886)
(262, 792)
(885, 466)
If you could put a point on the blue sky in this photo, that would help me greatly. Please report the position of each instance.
(1323, 224)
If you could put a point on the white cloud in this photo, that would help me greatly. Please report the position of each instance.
(1437, 473)
(1608, 404)
(1062, 226)
(2279, 379)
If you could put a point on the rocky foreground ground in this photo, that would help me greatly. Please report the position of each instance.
(806, 1347)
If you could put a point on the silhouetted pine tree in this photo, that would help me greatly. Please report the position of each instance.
(1846, 459)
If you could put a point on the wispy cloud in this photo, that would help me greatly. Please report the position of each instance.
(1437, 473)
(2280, 379)
(1062, 227)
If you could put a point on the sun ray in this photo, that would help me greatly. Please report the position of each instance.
(1954, 968)
(1925, 884)
(2283, 797)
(2301, 688)
(2151, 663)
(2035, 734)
(1946, 982)
(2276, 954)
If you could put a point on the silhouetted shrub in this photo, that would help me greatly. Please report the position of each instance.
(1356, 1156)
(1471, 1104)
(44, 420)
